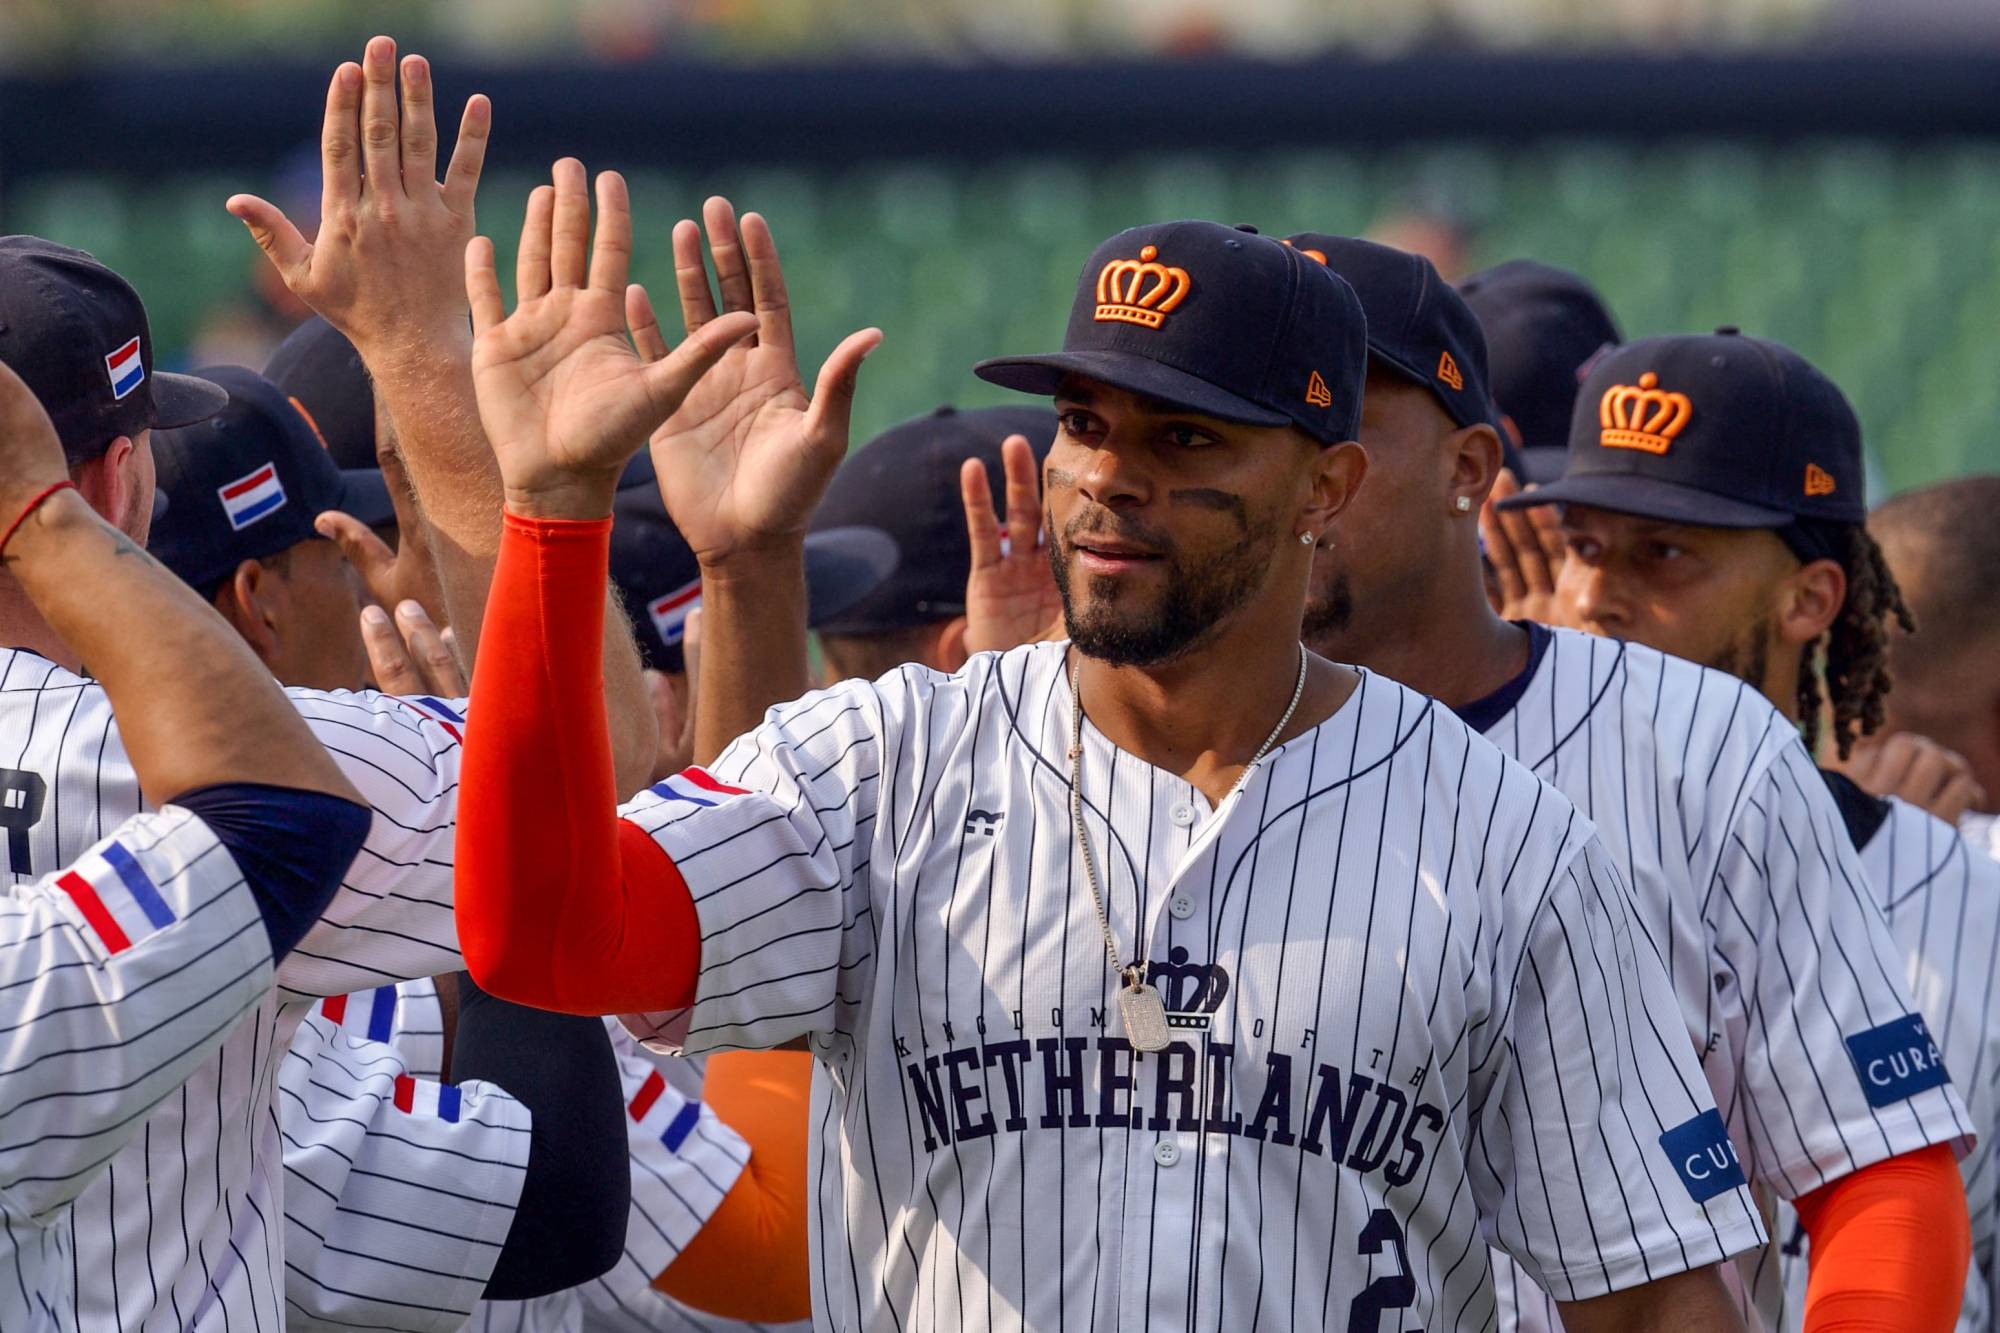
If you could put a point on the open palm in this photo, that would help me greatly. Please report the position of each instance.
(1010, 594)
(561, 393)
(747, 455)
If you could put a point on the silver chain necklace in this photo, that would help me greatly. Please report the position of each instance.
(1139, 1005)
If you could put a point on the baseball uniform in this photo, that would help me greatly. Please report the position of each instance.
(1409, 1009)
(1754, 898)
(122, 974)
(183, 1228)
(1981, 831)
(1941, 899)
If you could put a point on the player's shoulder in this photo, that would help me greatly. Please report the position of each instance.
(1915, 852)
(1982, 832)
(1699, 718)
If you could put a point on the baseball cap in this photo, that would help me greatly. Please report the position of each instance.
(659, 579)
(248, 483)
(76, 334)
(1716, 430)
(319, 370)
(904, 483)
(1213, 319)
(1545, 327)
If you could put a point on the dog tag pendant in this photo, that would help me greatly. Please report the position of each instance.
(1145, 1015)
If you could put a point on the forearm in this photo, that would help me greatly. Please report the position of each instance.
(1691, 1302)
(753, 645)
(223, 721)
(1889, 1246)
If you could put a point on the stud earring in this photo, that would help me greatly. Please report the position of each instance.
(1462, 504)
(1305, 539)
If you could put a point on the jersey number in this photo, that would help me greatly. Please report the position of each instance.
(1364, 1315)
(21, 797)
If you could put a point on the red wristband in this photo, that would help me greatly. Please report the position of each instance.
(33, 505)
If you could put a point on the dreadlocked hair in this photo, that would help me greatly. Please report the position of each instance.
(1852, 656)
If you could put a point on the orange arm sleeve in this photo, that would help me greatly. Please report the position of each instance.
(561, 905)
(1889, 1246)
(749, 1260)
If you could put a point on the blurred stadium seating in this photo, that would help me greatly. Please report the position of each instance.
(1880, 263)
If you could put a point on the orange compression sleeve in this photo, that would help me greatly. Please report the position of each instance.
(1889, 1246)
(748, 1261)
(561, 904)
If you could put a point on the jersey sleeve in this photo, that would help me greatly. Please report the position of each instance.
(399, 1192)
(119, 975)
(774, 846)
(392, 919)
(1835, 1061)
(684, 1160)
(1604, 1161)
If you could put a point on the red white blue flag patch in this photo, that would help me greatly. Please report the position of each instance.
(127, 369)
(252, 497)
(696, 786)
(670, 612)
(116, 897)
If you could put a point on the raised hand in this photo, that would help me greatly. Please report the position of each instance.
(31, 455)
(1915, 768)
(565, 400)
(1011, 596)
(744, 461)
(384, 267)
(1525, 547)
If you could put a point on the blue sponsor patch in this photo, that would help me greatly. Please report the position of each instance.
(1703, 1155)
(1896, 1060)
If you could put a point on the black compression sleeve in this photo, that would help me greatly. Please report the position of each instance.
(292, 846)
(570, 1224)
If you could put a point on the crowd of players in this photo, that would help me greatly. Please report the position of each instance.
(1532, 973)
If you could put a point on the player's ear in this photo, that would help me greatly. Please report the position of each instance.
(247, 600)
(1476, 459)
(104, 481)
(948, 652)
(1335, 476)
(1810, 599)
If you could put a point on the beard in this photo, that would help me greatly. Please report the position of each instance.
(1198, 595)
(1329, 607)
(1749, 657)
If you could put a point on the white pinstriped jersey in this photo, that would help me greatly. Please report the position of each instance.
(183, 1229)
(1409, 1015)
(684, 1160)
(399, 1189)
(1942, 901)
(1752, 893)
(118, 978)
(1982, 832)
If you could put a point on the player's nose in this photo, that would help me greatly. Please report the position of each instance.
(1115, 476)
(1594, 598)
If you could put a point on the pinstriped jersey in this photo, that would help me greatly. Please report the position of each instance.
(399, 1190)
(1409, 1012)
(1981, 832)
(1941, 898)
(684, 1160)
(118, 977)
(1755, 899)
(184, 1227)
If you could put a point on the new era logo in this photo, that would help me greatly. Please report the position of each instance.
(1448, 371)
(1317, 393)
(1703, 1156)
(1818, 480)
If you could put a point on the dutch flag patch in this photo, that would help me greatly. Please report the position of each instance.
(252, 497)
(126, 368)
(437, 1101)
(695, 786)
(670, 612)
(116, 897)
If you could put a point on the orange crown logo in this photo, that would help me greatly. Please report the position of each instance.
(1642, 416)
(1141, 291)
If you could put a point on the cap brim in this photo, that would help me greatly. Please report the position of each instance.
(1649, 497)
(183, 400)
(365, 495)
(1131, 372)
(844, 565)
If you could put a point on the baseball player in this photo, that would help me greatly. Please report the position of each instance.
(1338, 1045)
(901, 484)
(126, 969)
(1737, 537)
(1752, 892)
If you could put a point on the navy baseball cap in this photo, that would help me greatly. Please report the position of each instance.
(248, 483)
(1545, 328)
(1713, 430)
(76, 334)
(1212, 319)
(319, 370)
(904, 483)
(659, 579)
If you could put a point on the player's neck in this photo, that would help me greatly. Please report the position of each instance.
(1203, 716)
(1446, 642)
(22, 626)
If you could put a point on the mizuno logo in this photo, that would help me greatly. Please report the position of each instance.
(983, 821)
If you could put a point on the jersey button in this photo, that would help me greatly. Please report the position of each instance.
(1182, 813)
(1166, 1152)
(1181, 906)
